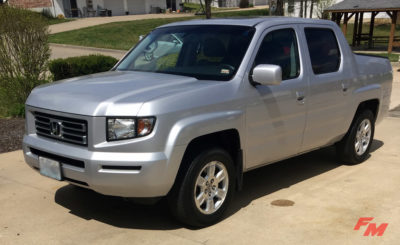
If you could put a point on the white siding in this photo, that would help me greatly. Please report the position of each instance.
(116, 6)
(136, 7)
(259, 2)
(222, 3)
(162, 4)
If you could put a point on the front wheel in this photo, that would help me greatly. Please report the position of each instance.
(355, 146)
(205, 190)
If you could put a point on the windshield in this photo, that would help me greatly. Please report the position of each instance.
(206, 52)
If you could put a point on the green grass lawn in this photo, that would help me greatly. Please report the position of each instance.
(53, 21)
(123, 35)
(118, 35)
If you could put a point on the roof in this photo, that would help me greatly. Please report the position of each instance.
(247, 21)
(364, 5)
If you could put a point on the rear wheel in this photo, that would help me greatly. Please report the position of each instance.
(355, 146)
(205, 191)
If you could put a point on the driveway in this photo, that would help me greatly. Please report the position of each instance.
(87, 22)
(327, 199)
(65, 51)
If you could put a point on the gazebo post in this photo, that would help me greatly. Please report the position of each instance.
(392, 30)
(345, 20)
(360, 26)
(371, 28)
(338, 18)
(355, 30)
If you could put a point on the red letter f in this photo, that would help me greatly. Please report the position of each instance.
(362, 222)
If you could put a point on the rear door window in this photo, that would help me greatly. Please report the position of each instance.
(324, 50)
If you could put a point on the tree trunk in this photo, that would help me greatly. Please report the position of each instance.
(279, 8)
(311, 8)
(305, 8)
(208, 9)
(301, 9)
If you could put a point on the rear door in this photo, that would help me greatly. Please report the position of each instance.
(276, 115)
(326, 107)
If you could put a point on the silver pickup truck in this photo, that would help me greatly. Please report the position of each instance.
(197, 103)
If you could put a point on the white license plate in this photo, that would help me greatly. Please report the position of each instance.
(50, 168)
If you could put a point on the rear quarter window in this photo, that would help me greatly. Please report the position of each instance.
(324, 50)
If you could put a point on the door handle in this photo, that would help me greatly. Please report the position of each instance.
(300, 97)
(345, 87)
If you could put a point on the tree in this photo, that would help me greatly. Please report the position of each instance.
(24, 54)
(321, 6)
(279, 8)
(208, 8)
(305, 9)
(312, 8)
(301, 9)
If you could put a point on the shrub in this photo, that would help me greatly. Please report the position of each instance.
(16, 110)
(79, 66)
(244, 4)
(24, 54)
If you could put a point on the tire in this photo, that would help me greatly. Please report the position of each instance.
(212, 201)
(355, 146)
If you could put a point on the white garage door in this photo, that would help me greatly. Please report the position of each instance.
(136, 7)
(116, 6)
(260, 2)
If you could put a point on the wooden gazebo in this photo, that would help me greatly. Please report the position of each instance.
(348, 8)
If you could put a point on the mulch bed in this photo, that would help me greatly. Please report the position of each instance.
(11, 134)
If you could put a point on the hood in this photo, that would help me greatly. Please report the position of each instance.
(114, 93)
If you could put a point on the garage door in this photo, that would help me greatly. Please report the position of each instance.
(116, 6)
(136, 7)
(260, 2)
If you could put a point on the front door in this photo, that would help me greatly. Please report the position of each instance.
(276, 115)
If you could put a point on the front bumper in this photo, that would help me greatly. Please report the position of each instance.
(110, 173)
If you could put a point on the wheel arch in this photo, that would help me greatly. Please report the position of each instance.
(372, 104)
(228, 140)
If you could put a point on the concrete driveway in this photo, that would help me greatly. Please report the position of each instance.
(94, 21)
(66, 51)
(328, 199)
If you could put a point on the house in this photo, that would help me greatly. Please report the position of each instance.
(88, 8)
(232, 3)
(292, 7)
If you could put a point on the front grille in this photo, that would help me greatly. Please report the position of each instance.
(70, 130)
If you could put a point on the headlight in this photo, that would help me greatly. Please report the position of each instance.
(128, 128)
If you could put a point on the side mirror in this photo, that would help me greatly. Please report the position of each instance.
(141, 37)
(267, 74)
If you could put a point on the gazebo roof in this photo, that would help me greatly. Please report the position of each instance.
(364, 6)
